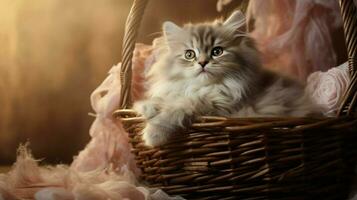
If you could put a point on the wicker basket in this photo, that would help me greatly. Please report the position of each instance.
(250, 158)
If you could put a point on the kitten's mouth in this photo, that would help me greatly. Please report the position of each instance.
(203, 71)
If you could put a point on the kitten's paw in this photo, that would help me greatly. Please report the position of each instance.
(177, 117)
(147, 108)
(154, 135)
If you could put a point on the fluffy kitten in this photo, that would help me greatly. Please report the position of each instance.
(213, 69)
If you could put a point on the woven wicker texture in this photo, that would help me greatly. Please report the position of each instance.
(250, 158)
(349, 15)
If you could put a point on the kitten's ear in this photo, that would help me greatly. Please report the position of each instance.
(170, 28)
(236, 21)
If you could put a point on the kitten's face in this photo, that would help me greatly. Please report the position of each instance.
(206, 52)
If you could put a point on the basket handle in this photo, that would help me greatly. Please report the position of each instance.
(349, 17)
(132, 26)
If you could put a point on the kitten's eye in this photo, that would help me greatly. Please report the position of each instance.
(217, 51)
(190, 54)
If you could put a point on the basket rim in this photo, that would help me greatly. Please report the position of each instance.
(243, 124)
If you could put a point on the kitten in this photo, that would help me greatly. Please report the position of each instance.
(213, 69)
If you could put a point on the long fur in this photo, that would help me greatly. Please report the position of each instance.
(232, 84)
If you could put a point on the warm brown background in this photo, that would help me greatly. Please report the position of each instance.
(54, 53)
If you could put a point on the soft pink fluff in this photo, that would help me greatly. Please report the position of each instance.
(29, 181)
(294, 36)
(109, 144)
(327, 88)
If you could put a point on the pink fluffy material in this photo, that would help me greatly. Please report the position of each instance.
(294, 36)
(109, 144)
(27, 181)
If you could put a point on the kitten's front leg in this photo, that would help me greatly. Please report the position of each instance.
(172, 119)
(155, 135)
(148, 108)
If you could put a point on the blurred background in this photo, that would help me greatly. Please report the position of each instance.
(54, 53)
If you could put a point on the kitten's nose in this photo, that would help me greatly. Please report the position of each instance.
(203, 63)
